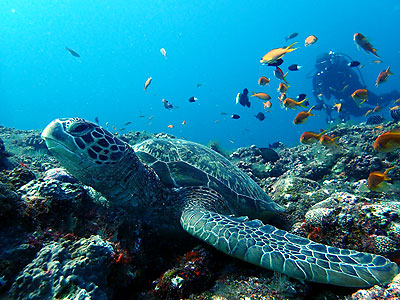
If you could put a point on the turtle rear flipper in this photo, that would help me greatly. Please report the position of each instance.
(278, 250)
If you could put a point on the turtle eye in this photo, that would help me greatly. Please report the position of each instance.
(79, 128)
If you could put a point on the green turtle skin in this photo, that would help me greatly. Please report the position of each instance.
(180, 182)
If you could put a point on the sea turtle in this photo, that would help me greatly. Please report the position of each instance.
(175, 181)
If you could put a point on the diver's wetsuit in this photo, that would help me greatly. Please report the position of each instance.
(335, 78)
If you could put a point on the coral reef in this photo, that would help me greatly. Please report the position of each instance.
(60, 239)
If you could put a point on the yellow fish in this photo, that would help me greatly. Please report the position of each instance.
(275, 54)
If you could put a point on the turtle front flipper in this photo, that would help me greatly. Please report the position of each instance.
(280, 251)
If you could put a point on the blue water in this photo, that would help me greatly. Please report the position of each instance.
(216, 43)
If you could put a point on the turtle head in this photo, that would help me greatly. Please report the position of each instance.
(83, 148)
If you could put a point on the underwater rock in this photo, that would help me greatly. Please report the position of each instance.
(20, 176)
(59, 174)
(66, 269)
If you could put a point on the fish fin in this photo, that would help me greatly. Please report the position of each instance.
(311, 109)
(321, 133)
(387, 170)
(290, 46)
(388, 71)
(301, 105)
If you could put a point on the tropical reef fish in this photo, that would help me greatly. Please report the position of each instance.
(293, 104)
(377, 61)
(310, 137)
(279, 74)
(353, 64)
(267, 104)
(302, 116)
(383, 76)
(291, 36)
(163, 52)
(262, 96)
(73, 53)
(338, 107)
(263, 80)
(388, 141)
(375, 179)
(311, 39)
(328, 141)
(147, 83)
(170, 126)
(243, 98)
(361, 41)
(192, 99)
(301, 97)
(294, 67)
(282, 88)
(360, 96)
(282, 97)
(260, 116)
(235, 116)
(167, 104)
(275, 54)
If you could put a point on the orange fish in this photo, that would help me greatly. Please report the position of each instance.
(388, 141)
(147, 83)
(360, 96)
(368, 112)
(263, 80)
(267, 104)
(262, 96)
(328, 141)
(376, 109)
(283, 88)
(383, 76)
(275, 54)
(338, 106)
(302, 116)
(397, 100)
(361, 41)
(310, 137)
(170, 126)
(293, 104)
(394, 108)
(312, 39)
(376, 178)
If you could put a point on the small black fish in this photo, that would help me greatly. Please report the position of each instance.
(243, 99)
(269, 154)
(199, 84)
(373, 120)
(353, 64)
(276, 64)
(291, 36)
(167, 104)
(301, 97)
(192, 99)
(73, 53)
(127, 123)
(234, 116)
(224, 113)
(294, 67)
(260, 116)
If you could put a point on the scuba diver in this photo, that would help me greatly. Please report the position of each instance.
(335, 78)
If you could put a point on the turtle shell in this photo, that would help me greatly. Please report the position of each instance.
(181, 163)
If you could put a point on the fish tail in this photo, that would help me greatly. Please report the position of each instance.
(387, 171)
(374, 52)
(284, 78)
(319, 135)
(388, 71)
(290, 47)
(311, 109)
